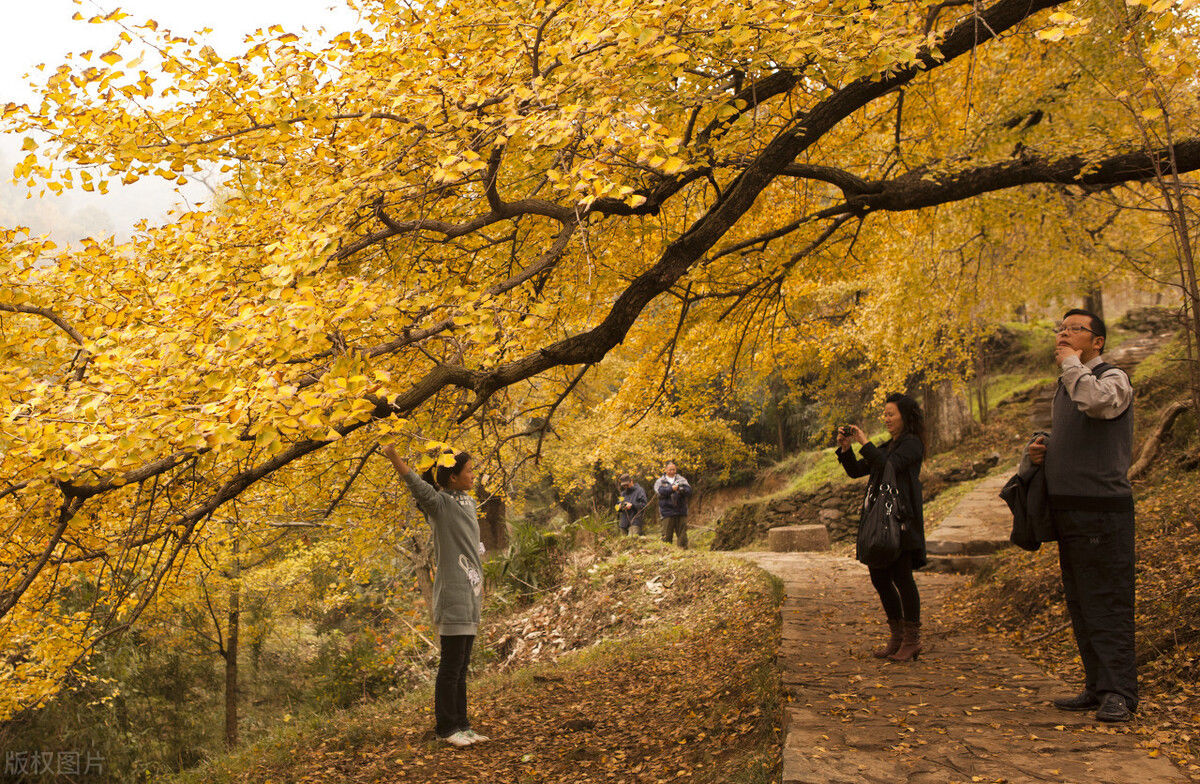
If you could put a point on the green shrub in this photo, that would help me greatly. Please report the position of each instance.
(354, 667)
(532, 563)
(145, 710)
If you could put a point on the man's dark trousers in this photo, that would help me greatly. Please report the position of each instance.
(675, 525)
(1096, 552)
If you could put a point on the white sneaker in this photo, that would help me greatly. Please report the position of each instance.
(458, 739)
(474, 736)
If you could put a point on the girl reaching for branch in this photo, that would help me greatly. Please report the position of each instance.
(442, 495)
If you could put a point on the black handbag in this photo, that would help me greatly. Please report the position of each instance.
(878, 542)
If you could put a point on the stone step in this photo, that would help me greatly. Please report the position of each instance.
(957, 564)
(971, 547)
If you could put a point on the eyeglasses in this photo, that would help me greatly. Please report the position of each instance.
(1073, 329)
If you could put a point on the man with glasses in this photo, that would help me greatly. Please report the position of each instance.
(1086, 457)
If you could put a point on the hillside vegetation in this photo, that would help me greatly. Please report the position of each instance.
(650, 662)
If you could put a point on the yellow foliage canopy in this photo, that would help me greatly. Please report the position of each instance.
(432, 226)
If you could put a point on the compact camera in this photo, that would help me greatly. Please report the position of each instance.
(845, 431)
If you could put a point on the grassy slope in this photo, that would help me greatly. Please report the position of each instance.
(693, 695)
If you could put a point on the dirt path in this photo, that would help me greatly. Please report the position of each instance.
(968, 711)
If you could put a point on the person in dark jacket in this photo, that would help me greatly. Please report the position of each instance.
(629, 508)
(905, 450)
(673, 491)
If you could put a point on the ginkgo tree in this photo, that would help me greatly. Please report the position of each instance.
(433, 227)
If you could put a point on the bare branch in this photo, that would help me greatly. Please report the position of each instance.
(554, 407)
(10, 597)
(81, 356)
(353, 475)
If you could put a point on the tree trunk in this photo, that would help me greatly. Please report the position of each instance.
(231, 669)
(1094, 301)
(981, 379)
(1187, 267)
(781, 426)
(493, 526)
(421, 559)
(1176, 195)
(947, 416)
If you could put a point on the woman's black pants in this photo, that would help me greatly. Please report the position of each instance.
(450, 688)
(898, 590)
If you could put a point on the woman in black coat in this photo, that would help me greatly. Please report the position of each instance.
(905, 450)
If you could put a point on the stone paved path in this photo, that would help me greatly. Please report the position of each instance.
(968, 711)
(977, 526)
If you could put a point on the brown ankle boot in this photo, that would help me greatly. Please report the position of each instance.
(910, 645)
(896, 626)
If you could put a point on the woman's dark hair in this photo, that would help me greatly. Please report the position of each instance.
(910, 414)
(439, 475)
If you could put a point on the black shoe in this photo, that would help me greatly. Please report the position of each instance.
(1113, 708)
(1082, 702)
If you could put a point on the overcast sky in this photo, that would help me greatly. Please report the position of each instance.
(41, 31)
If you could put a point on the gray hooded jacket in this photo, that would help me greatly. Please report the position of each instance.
(458, 586)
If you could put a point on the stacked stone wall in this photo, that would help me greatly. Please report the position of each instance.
(837, 506)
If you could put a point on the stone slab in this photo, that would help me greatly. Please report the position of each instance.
(798, 538)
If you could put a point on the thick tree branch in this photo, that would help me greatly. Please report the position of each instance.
(850, 184)
(918, 189)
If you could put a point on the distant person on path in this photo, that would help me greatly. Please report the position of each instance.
(1086, 458)
(673, 491)
(905, 450)
(441, 494)
(629, 508)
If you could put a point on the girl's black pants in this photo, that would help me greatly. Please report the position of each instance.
(450, 688)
